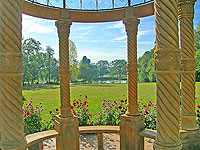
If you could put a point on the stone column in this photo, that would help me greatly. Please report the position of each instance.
(186, 15)
(66, 124)
(167, 66)
(131, 123)
(11, 119)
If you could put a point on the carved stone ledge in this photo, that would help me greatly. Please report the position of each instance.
(167, 60)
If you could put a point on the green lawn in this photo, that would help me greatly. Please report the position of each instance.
(49, 95)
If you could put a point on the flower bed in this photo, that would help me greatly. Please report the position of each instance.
(108, 115)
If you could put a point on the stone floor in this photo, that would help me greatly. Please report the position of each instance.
(89, 142)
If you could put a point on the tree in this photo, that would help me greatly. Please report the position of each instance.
(31, 60)
(102, 67)
(73, 61)
(87, 71)
(118, 67)
(197, 51)
(50, 53)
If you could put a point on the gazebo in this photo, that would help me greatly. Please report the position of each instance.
(175, 130)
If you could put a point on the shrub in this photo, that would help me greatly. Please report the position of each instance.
(80, 109)
(149, 115)
(32, 118)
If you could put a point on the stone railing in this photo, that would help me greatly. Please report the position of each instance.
(34, 141)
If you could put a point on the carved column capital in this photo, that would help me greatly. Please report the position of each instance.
(63, 27)
(186, 8)
(131, 25)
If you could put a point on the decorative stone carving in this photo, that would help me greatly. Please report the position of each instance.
(131, 25)
(186, 15)
(11, 120)
(167, 75)
(63, 34)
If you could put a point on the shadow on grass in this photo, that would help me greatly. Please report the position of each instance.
(40, 86)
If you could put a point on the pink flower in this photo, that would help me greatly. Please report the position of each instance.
(104, 100)
(36, 111)
(72, 107)
(90, 115)
(28, 113)
(85, 102)
(149, 103)
(155, 107)
(23, 109)
(106, 108)
(23, 112)
(86, 96)
(74, 103)
(146, 112)
(74, 112)
(112, 105)
(98, 120)
(31, 101)
(77, 102)
(41, 110)
(103, 104)
(115, 102)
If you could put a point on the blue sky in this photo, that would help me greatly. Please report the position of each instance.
(97, 41)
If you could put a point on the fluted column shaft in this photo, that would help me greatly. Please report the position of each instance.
(11, 119)
(167, 66)
(131, 25)
(63, 27)
(186, 15)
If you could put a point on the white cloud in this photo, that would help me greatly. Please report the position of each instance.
(82, 28)
(35, 25)
(145, 32)
(123, 37)
(118, 25)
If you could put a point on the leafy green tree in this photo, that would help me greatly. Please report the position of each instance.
(197, 51)
(146, 69)
(50, 53)
(73, 61)
(102, 67)
(118, 67)
(31, 60)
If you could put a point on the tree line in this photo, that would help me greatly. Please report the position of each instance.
(40, 65)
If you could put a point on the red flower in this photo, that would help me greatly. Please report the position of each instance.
(77, 102)
(28, 113)
(198, 106)
(86, 96)
(74, 103)
(50, 112)
(85, 102)
(72, 107)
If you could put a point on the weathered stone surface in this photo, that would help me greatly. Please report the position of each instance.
(69, 133)
(167, 66)
(130, 127)
(11, 119)
(190, 140)
(186, 15)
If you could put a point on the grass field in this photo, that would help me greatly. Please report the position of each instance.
(49, 95)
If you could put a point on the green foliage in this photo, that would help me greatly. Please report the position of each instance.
(32, 119)
(146, 67)
(118, 67)
(80, 109)
(102, 68)
(197, 51)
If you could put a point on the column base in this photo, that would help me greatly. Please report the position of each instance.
(167, 146)
(69, 133)
(13, 146)
(130, 126)
(190, 139)
(188, 122)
